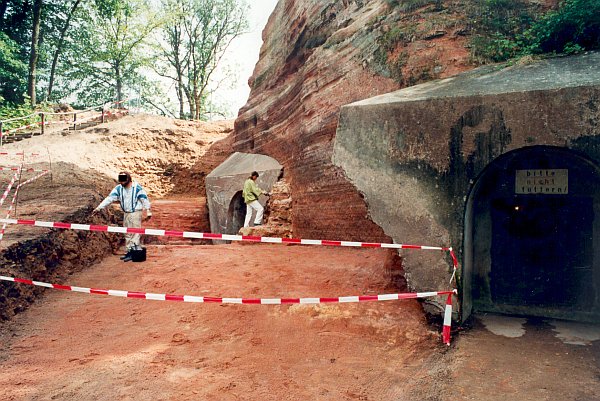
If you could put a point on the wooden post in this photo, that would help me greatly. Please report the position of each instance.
(74, 121)
(1, 134)
(43, 122)
(50, 162)
(102, 118)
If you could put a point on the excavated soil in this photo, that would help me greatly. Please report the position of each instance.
(71, 345)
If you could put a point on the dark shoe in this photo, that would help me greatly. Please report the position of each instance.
(128, 254)
(127, 258)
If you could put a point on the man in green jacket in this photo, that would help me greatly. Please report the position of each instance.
(251, 193)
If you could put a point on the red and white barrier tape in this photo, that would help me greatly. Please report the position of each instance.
(12, 203)
(225, 237)
(19, 154)
(24, 127)
(8, 188)
(28, 170)
(249, 301)
(447, 320)
(40, 175)
(9, 211)
(224, 300)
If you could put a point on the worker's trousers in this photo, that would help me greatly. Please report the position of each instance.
(250, 207)
(134, 220)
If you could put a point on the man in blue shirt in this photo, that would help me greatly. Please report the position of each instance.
(133, 200)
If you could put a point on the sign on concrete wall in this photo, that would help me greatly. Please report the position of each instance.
(551, 182)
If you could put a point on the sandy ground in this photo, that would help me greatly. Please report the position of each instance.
(71, 345)
(152, 148)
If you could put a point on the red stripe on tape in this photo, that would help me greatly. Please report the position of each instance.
(174, 233)
(212, 236)
(291, 240)
(134, 294)
(97, 291)
(411, 246)
(328, 300)
(61, 225)
(62, 287)
(251, 301)
(368, 298)
(98, 228)
(171, 297)
(331, 243)
(370, 245)
(213, 299)
(407, 296)
(26, 222)
(252, 238)
(290, 300)
(135, 230)
(23, 281)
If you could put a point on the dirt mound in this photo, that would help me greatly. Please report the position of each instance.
(68, 194)
(158, 151)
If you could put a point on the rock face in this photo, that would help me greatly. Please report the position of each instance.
(224, 185)
(443, 162)
(318, 56)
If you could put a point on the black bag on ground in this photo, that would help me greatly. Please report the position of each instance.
(138, 255)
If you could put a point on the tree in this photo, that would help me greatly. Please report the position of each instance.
(196, 36)
(107, 48)
(60, 45)
(12, 70)
(33, 57)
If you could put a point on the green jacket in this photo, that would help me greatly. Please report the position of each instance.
(251, 191)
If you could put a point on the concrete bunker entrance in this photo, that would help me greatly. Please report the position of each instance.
(530, 230)
(236, 213)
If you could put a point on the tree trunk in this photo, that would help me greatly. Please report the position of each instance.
(33, 58)
(180, 97)
(119, 82)
(190, 99)
(59, 46)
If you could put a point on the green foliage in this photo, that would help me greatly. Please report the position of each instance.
(507, 29)
(12, 110)
(496, 25)
(574, 27)
(12, 70)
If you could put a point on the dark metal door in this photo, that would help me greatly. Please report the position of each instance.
(542, 251)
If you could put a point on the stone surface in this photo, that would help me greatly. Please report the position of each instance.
(316, 57)
(224, 188)
(415, 154)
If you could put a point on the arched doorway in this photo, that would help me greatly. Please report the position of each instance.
(531, 241)
(236, 213)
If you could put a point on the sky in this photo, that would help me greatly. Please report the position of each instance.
(241, 56)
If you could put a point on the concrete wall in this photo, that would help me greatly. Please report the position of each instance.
(227, 180)
(415, 154)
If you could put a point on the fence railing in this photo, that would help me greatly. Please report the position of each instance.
(100, 113)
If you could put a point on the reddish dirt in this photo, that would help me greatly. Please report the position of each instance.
(74, 344)
(182, 214)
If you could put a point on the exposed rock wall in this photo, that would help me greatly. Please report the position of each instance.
(318, 56)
